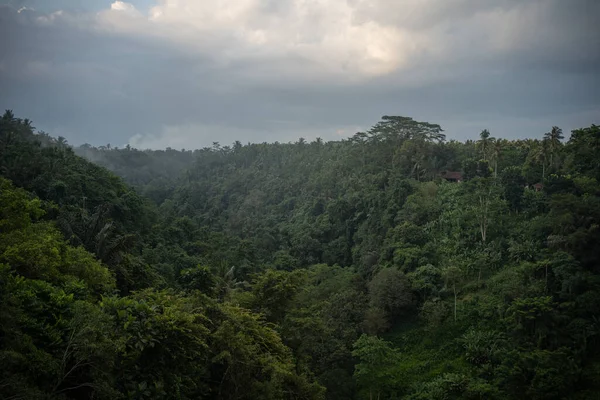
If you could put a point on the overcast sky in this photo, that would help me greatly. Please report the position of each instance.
(186, 73)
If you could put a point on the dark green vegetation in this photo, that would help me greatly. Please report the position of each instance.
(338, 270)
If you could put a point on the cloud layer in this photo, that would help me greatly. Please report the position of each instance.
(185, 73)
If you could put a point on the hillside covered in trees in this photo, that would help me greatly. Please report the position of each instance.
(391, 265)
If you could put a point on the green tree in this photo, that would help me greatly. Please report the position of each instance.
(497, 147)
(454, 275)
(583, 150)
(484, 143)
(553, 139)
(273, 291)
(375, 370)
(390, 291)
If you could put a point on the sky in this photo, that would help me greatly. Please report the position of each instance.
(187, 73)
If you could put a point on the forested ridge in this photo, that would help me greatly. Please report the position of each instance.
(391, 265)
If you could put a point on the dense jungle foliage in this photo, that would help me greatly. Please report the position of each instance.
(353, 269)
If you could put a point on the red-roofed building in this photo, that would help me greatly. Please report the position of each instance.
(452, 176)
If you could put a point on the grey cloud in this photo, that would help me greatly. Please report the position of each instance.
(99, 86)
(544, 34)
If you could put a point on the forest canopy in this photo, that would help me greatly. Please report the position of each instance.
(394, 264)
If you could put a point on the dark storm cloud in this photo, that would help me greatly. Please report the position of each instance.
(100, 88)
(514, 67)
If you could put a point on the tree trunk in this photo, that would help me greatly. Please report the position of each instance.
(483, 224)
(455, 302)
(543, 171)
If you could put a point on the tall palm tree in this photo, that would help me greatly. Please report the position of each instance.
(226, 281)
(554, 138)
(483, 142)
(8, 115)
(496, 153)
(61, 142)
(541, 156)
